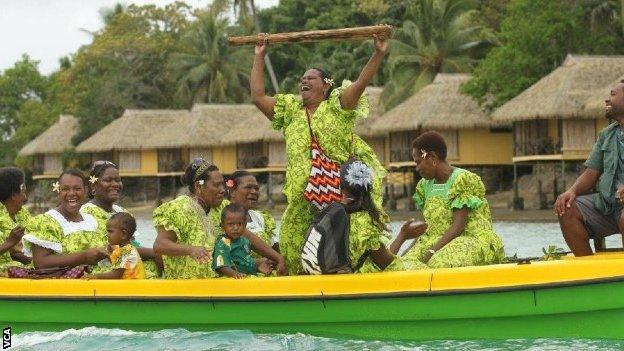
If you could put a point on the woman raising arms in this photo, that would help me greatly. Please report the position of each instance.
(327, 115)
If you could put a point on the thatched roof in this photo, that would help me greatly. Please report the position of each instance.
(595, 106)
(231, 124)
(142, 129)
(54, 140)
(256, 127)
(438, 105)
(563, 92)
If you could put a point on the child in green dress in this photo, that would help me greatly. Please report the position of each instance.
(232, 252)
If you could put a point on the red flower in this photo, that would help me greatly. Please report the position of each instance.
(230, 183)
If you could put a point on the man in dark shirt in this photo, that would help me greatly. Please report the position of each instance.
(584, 216)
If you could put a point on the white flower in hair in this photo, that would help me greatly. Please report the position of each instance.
(329, 81)
(359, 174)
(93, 179)
(201, 182)
(56, 187)
(423, 153)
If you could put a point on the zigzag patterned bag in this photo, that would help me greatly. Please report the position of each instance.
(324, 180)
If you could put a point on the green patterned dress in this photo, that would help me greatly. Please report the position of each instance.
(52, 231)
(187, 219)
(151, 270)
(478, 244)
(6, 225)
(333, 128)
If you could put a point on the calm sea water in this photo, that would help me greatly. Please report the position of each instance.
(524, 239)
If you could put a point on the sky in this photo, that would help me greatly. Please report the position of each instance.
(47, 30)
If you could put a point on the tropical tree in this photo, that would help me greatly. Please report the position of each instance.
(208, 70)
(436, 36)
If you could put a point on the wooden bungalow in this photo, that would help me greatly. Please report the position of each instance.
(549, 119)
(473, 139)
(47, 148)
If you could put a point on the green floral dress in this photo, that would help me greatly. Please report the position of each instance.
(192, 226)
(52, 231)
(478, 244)
(333, 128)
(151, 270)
(6, 225)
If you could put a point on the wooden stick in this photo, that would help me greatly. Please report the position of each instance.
(357, 33)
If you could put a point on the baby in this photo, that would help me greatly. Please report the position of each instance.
(232, 252)
(123, 260)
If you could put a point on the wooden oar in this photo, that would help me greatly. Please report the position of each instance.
(358, 33)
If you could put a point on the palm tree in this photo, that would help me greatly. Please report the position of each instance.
(209, 70)
(436, 37)
(244, 8)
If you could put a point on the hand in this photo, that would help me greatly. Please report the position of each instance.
(261, 45)
(564, 201)
(15, 236)
(200, 253)
(413, 229)
(264, 266)
(426, 257)
(381, 44)
(95, 255)
(619, 194)
(281, 266)
(239, 275)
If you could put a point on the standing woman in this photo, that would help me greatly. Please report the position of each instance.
(13, 216)
(329, 115)
(188, 225)
(106, 187)
(63, 236)
(243, 190)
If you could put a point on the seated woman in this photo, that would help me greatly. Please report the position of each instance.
(452, 200)
(63, 236)
(106, 188)
(13, 217)
(243, 190)
(188, 225)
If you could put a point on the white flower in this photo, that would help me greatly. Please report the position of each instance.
(93, 179)
(423, 153)
(56, 187)
(329, 81)
(359, 174)
(201, 182)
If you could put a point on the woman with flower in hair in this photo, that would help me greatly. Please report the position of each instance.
(321, 117)
(243, 189)
(452, 200)
(188, 225)
(64, 236)
(106, 187)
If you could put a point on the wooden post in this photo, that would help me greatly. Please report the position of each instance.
(357, 33)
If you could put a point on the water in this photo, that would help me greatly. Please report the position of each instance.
(523, 239)
(179, 339)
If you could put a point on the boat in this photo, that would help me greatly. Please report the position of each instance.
(572, 297)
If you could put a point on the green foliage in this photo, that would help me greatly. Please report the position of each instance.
(552, 253)
(208, 69)
(536, 36)
(435, 37)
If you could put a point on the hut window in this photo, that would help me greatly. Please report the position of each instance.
(205, 153)
(251, 155)
(531, 138)
(170, 160)
(401, 145)
(277, 153)
(578, 134)
(52, 163)
(452, 145)
(130, 160)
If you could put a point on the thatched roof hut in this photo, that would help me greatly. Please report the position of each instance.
(54, 140)
(595, 106)
(231, 124)
(256, 127)
(142, 129)
(564, 92)
(438, 105)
